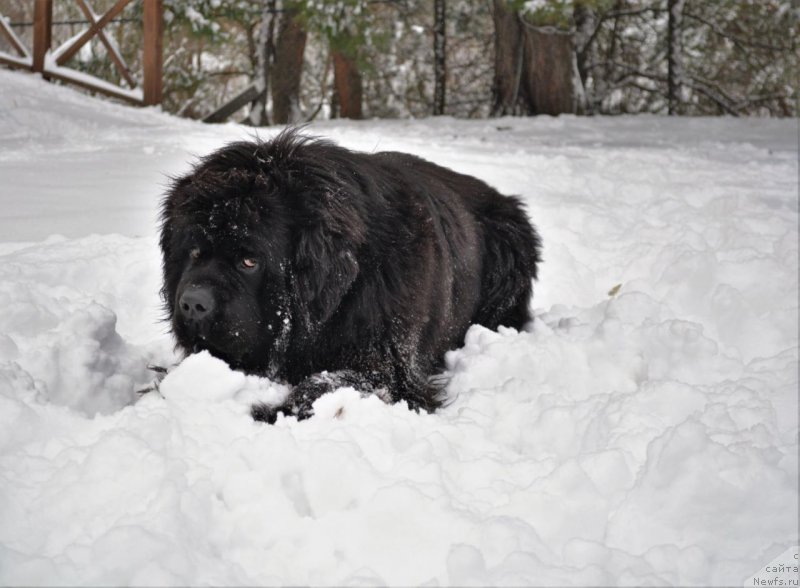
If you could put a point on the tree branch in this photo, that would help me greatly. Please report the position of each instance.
(738, 40)
(713, 93)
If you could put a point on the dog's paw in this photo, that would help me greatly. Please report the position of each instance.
(266, 413)
(269, 414)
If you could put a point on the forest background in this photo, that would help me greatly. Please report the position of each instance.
(293, 61)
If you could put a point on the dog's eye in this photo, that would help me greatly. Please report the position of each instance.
(249, 263)
(195, 253)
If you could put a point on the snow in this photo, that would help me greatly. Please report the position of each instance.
(78, 77)
(643, 430)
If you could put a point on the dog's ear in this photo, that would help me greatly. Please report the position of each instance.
(175, 195)
(325, 256)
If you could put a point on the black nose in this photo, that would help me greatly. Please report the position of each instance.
(196, 302)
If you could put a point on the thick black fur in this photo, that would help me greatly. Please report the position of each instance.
(368, 267)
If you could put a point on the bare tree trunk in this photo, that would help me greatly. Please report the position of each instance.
(265, 53)
(611, 52)
(508, 58)
(534, 67)
(550, 84)
(288, 69)
(585, 24)
(347, 85)
(674, 74)
(439, 55)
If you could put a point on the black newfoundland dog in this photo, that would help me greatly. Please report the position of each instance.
(308, 263)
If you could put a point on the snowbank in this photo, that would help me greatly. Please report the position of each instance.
(634, 435)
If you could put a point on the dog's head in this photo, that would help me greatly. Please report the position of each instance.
(259, 246)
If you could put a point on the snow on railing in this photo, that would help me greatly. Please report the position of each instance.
(51, 62)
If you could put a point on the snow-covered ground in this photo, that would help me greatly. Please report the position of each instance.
(642, 431)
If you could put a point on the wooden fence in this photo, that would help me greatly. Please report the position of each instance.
(51, 63)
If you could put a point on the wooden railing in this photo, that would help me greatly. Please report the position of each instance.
(51, 63)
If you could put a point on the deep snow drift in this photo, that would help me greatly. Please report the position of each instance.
(640, 434)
